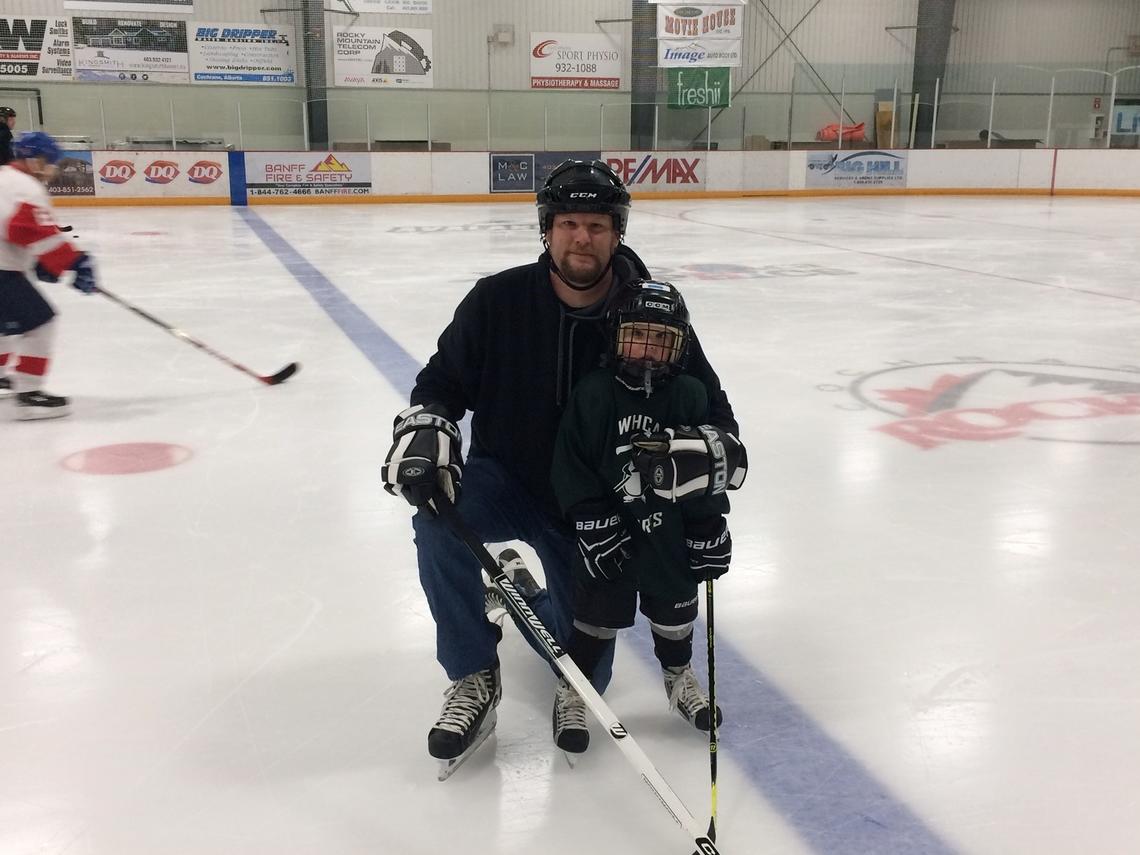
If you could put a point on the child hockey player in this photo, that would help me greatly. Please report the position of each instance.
(632, 542)
(30, 239)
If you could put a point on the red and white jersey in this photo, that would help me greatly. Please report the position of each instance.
(28, 231)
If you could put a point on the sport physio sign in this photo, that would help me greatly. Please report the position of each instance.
(575, 61)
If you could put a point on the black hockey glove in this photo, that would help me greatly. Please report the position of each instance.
(427, 451)
(602, 540)
(710, 548)
(682, 463)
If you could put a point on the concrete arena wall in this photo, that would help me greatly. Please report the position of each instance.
(225, 178)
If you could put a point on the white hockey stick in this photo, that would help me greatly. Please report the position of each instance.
(574, 676)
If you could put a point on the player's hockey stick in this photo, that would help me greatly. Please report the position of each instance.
(269, 380)
(574, 676)
(712, 702)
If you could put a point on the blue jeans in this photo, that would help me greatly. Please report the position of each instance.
(496, 508)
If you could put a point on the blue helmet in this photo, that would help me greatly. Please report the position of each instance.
(37, 144)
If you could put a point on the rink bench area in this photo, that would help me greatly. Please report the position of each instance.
(210, 177)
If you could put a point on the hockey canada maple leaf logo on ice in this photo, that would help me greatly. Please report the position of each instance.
(981, 401)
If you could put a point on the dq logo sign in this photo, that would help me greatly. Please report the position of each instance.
(976, 400)
(204, 172)
(161, 172)
(117, 172)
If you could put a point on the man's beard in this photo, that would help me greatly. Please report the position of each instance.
(580, 276)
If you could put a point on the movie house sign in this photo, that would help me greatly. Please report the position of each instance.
(698, 20)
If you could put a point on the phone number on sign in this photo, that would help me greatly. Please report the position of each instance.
(15, 68)
(575, 67)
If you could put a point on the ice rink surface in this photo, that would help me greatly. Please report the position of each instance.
(928, 642)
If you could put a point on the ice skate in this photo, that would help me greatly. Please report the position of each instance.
(5, 386)
(569, 722)
(40, 405)
(466, 720)
(688, 698)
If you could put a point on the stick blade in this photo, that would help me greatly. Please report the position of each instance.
(282, 375)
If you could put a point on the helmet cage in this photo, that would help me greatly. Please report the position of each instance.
(587, 187)
(649, 335)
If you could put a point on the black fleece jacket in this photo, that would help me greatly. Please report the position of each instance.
(511, 355)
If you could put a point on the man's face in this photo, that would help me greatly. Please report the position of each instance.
(582, 245)
(11, 120)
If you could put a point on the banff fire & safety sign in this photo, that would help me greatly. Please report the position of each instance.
(311, 173)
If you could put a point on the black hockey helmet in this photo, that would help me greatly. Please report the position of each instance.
(649, 333)
(6, 112)
(583, 186)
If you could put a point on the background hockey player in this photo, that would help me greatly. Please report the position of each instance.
(632, 542)
(31, 241)
(519, 341)
(7, 122)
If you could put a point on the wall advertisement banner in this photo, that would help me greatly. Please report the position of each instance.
(700, 21)
(313, 173)
(698, 88)
(514, 172)
(35, 48)
(130, 50)
(394, 7)
(838, 169)
(76, 175)
(242, 54)
(140, 174)
(699, 53)
(135, 7)
(575, 61)
(657, 171)
(381, 57)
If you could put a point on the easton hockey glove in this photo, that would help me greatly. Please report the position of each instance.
(427, 450)
(710, 548)
(602, 540)
(681, 463)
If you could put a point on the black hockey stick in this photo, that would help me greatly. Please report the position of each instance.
(574, 676)
(712, 702)
(270, 380)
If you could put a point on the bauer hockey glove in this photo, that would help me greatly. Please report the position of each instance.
(602, 540)
(682, 463)
(710, 548)
(427, 451)
(84, 275)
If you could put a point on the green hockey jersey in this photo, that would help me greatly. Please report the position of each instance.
(592, 462)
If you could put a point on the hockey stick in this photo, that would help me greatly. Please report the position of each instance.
(270, 380)
(712, 702)
(574, 676)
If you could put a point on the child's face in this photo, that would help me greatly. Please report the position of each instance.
(646, 341)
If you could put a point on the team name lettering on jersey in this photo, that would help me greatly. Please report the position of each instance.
(638, 422)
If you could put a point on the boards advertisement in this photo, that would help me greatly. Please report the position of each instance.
(142, 174)
(130, 50)
(312, 173)
(35, 49)
(381, 57)
(242, 54)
